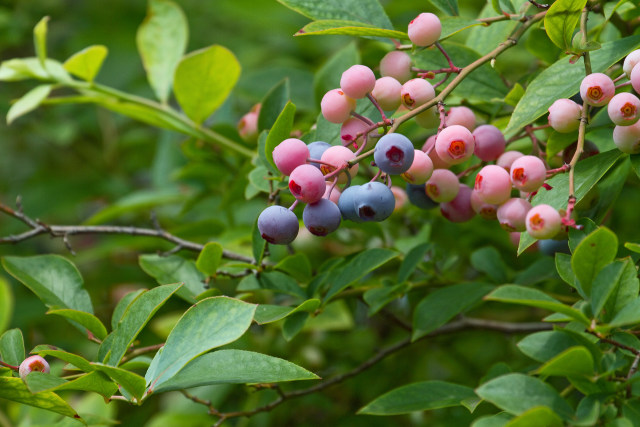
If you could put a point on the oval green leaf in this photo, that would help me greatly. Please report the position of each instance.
(561, 19)
(29, 102)
(16, 390)
(12, 347)
(89, 321)
(86, 63)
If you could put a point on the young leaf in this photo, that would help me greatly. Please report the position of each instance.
(421, 396)
(204, 79)
(16, 390)
(442, 305)
(517, 393)
(561, 19)
(162, 40)
(86, 63)
(367, 11)
(209, 323)
(348, 28)
(96, 382)
(29, 102)
(592, 254)
(538, 416)
(562, 80)
(6, 304)
(40, 39)
(235, 367)
(174, 269)
(209, 258)
(266, 313)
(12, 347)
(542, 346)
(575, 361)
(54, 279)
(280, 131)
(138, 314)
(89, 321)
(129, 381)
(534, 298)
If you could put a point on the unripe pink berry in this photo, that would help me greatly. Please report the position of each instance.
(543, 222)
(630, 62)
(493, 185)
(417, 92)
(624, 108)
(482, 208)
(459, 209)
(248, 124)
(528, 173)
(33, 364)
(337, 156)
(429, 119)
(425, 29)
(627, 138)
(387, 93)
(420, 170)
(489, 142)
(462, 116)
(396, 64)
(443, 186)
(357, 81)
(290, 154)
(306, 183)
(512, 214)
(564, 115)
(455, 144)
(336, 106)
(335, 193)
(635, 78)
(429, 147)
(401, 197)
(349, 132)
(507, 158)
(597, 89)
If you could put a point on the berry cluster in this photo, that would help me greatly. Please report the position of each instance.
(502, 188)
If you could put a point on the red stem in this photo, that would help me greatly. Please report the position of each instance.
(15, 368)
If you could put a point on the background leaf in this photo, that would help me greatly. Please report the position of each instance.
(367, 11)
(561, 20)
(12, 347)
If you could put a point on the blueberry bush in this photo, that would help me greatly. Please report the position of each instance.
(211, 215)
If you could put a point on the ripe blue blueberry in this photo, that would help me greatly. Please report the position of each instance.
(316, 149)
(374, 201)
(394, 154)
(321, 218)
(346, 203)
(278, 225)
(418, 196)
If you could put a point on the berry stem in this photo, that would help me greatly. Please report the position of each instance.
(443, 118)
(469, 170)
(623, 85)
(620, 77)
(6, 365)
(362, 118)
(539, 5)
(453, 68)
(293, 205)
(378, 107)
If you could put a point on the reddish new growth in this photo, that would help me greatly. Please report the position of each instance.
(595, 92)
(628, 110)
(457, 149)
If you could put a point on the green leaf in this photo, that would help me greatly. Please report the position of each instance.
(204, 79)
(16, 390)
(575, 361)
(89, 321)
(454, 24)
(556, 142)
(29, 102)
(411, 261)
(561, 19)
(12, 347)
(280, 282)
(294, 324)
(377, 298)
(54, 279)
(6, 304)
(348, 28)
(588, 173)
(136, 202)
(86, 63)
(40, 40)
(367, 11)
(562, 80)
(266, 313)
(450, 7)
(210, 323)
(592, 254)
(272, 104)
(629, 315)
(174, 269)
(498, 420)
(280, 131)
(442, 305)
(138, 314)
(626, 290)
(500, 6)
(489, 261)
(544, 345)
(539, 271)
(535, 417)
(93, 381)
(328, 75)
(421, 396)
(604, 283)
(358, 267)
(563, 265)
(31, 68)
(77, 361)
(235, 367)
(162, 40)
(258, 244)
(130, 382)
(209, 258)
(122, 306)
(513, 97)
(517, 393)
(534, 298)
(297, 266)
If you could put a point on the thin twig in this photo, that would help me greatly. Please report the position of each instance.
(6, 365)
